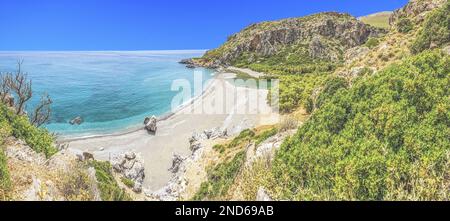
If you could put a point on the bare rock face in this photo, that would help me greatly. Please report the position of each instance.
(326, 34)
(320, 50)
(177, 160)
(131, 166)
(150, 124)
(354, 53)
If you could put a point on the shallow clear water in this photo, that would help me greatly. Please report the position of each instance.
(111, 91)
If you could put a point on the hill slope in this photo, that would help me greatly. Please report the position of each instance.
(292, 41)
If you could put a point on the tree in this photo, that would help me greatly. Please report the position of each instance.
(17, 84)
(4, 86)
(21, 86)
(41, 113)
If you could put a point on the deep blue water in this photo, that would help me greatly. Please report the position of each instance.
(111, 91)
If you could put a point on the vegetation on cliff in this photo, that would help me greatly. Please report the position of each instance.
(435, 31)
(385, 138)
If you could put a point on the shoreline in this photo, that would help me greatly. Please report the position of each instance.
(175, 129)
(161, 118)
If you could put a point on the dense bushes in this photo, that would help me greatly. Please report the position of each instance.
(435, 32)
(294, 90)
(5, 181)
(109, 189)
(404, 25)
(220, 178)
(372, 42)
(38, 139)
(386, 138)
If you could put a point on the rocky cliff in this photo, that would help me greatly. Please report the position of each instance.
(416, 10)
(323, 36)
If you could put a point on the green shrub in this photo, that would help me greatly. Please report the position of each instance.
(372, 42)
(5, 180)
(331, 87)
(220, 178)
(245, 135)
(129, 183)
(265, 135)
(404, 25)
(38, 139)
(109, 189)
(76, 185)
(385, 138)
(436, 30)
(219, 148)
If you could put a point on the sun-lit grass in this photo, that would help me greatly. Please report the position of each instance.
(379, 20)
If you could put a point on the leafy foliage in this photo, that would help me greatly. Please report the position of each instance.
(436, 30)
(38, 139)
(386, 138)
(404, 25)
(220, 178)
(372, 42)
(5, 180)
(109, 189)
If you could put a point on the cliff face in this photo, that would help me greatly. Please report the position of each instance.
(415, 10)
(321, 36)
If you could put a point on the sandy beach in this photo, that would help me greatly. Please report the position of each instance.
(174, 131)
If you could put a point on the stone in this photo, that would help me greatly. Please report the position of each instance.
(150, 124)
(130, 155)
(131, 166)
(117, 162)
(87, 156)
(196, 146)
(76, 121)
(177, 160)
(353, 54)
(128, 164)
(262, 195)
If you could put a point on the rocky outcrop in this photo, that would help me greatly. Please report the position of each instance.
(196, 139)
(150, 124)
(355, 53)
(177, 160)
(317, 31)
(131, 166)
(415, 10)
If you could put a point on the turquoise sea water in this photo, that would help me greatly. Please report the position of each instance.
(111, 91)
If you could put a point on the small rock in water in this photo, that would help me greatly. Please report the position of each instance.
(76, 121)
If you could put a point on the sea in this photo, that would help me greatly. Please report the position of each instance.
(112, 91)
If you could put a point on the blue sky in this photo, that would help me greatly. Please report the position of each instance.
(151, 24)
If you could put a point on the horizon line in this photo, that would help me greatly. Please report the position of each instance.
(144, 50)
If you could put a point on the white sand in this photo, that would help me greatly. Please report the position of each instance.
(174, 132)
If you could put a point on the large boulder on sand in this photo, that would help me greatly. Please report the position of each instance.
(150, 124)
